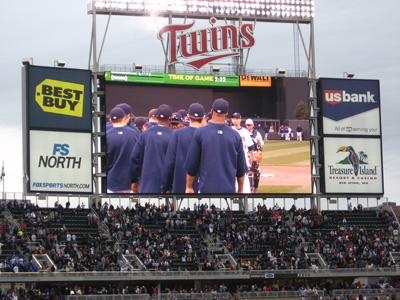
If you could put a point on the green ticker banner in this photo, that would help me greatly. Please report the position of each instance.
(161, 78)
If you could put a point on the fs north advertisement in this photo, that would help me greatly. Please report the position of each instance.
(350, 106)
(353, 165)
(57, 129)
(60, 161)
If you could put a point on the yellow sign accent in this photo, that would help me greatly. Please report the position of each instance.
(60, 97)
(264, 81)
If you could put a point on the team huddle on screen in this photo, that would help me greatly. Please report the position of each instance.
(182, 152)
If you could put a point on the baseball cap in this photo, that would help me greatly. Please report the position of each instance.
(249, 122)
(183, 112)
(237, 115)
(154, 113)
(140, 121)
(208, 116)
(126, 108)
(196, 110)
(220, 106)
(164, 112)
(229, 122)
(176, 118)
(117, 113)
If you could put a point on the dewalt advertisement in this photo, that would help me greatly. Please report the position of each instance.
(57, 130)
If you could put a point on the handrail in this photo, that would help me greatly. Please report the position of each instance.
(110, 297)
(245, 274)
(182, 296)
(102, 222)
(381, 291)
(13, 221)
(279, 294)
(392, 211)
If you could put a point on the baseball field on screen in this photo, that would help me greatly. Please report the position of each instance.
(285, 168)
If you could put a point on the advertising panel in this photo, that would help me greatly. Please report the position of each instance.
(284, 164)
(60, 162)
(59, 98)
(350, 106)
(353, 165)
(57, 124)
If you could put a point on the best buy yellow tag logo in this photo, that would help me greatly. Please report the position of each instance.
(60, 97)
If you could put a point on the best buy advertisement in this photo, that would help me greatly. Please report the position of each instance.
(59, 98)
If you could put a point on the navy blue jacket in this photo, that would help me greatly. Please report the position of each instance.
(148, 158)
(216, 155)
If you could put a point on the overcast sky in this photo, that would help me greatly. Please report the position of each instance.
(359, 36)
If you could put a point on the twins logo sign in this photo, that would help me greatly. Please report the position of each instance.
(198, 45)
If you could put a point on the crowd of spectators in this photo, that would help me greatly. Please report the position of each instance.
(150, 233)
(308, 291)
(347, 245)
(163, 239)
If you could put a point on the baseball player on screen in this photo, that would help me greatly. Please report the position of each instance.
(216, 155)
(148, 155)
(128, 112)
(173, 172)
(121, 140)
(248, 146)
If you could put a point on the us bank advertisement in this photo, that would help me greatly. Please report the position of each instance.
(353, 165)
(350, 106)
(57, 129)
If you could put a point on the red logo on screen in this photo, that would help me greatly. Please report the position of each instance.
(227, 39)
(333, 97)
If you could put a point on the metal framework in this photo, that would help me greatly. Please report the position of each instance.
(284, 11)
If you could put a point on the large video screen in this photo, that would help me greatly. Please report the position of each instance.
(271, 112)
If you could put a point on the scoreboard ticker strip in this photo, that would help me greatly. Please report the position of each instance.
(189, 79)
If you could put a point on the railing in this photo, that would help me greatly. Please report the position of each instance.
(51, 198)
(110, 297)
(395, 256)
(12, 220)
(193, 275)
(365, 292)
(105, 227)
(193, 296)
(395, 216)
(43, 261)
(318, 257)
(227, 256)
(172, 296)
(280, 294)
(135, 259)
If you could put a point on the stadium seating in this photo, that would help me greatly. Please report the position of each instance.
(201, 240)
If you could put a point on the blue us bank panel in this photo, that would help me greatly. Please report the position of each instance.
(350, 106)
